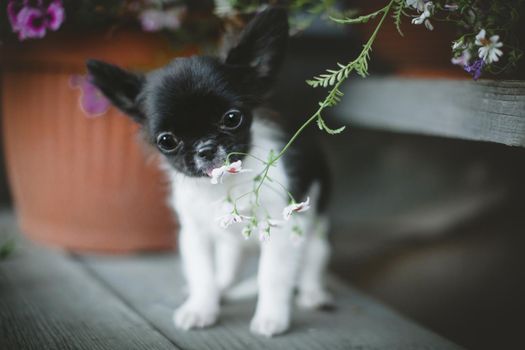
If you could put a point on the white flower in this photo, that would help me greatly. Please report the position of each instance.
(416, 4)
(217, 174)
(489, 50)
(234, 168)
(264, 231)
(296, 207)
(229, 219)
(231, 216)
(456, 45)
(429, 25)
(428, 10)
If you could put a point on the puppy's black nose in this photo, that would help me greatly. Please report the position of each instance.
(207, 152)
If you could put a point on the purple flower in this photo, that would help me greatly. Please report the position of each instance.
(475, 69)
(30, 23)
(33, 20)
(92, 102)
(13, 8)
(55, 15)
(463, 59)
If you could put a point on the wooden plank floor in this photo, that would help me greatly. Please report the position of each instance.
(55, 300)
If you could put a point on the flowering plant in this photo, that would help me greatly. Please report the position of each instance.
(188, 21)
(477, 50)
(487, 43)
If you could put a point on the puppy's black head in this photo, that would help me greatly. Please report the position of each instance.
(197, 110)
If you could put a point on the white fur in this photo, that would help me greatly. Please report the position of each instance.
(211, 255)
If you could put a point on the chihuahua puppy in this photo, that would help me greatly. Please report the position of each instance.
(198, 110)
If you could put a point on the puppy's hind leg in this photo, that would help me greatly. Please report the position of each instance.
(312, 293)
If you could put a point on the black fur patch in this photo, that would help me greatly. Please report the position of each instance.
(189, 97)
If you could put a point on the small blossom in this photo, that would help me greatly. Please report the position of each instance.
(153, 20)
(264, 231)
(13, 8)
(234, 168)
(452, 7)
(416, 4)
(55, 15)
(217, 174)
(475, 69)
(428, 10)
(463, 59)
(31, 22)
(229, 219)
(456, 45)
(232, 216)
(91, 100)
(489, 50)
(296, 207)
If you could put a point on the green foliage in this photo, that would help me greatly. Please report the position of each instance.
(7, 249)
(398, 14)
(335, 77)
(360, 19)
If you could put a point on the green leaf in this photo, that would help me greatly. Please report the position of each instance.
(397, 15)
(312, 83)
(323, 126)
(7, 249)
(320, 123)
(360, 19)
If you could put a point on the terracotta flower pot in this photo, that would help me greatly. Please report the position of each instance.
(77, 182)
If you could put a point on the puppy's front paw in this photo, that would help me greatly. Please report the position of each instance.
(315, 299)
(269, 326)
(189, 316)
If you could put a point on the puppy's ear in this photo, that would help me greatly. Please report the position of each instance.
(118, 85)
(262, 45)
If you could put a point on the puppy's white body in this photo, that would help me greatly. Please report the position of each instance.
(211, 254)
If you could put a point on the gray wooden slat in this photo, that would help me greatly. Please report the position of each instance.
(153, 285)
(48, 301)
(483, 110)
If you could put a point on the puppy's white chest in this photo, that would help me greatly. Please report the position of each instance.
(200, 204)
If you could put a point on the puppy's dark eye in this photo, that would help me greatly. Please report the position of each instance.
(167, 142)
(231, 120)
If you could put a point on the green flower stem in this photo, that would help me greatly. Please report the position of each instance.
(323, 105)
(329, 101)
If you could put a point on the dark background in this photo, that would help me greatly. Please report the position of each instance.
(433, 227)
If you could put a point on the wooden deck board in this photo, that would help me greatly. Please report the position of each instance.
(48, 301)
(484, 110)
(153, 285)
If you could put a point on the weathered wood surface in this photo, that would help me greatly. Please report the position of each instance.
(48, 301)
(483, 110)
(52, 300)
(153, 286)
